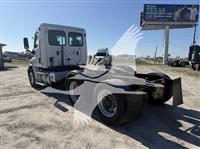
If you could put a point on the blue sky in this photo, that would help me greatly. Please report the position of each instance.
(104, 22)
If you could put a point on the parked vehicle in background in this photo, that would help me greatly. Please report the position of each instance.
(102, 57)
(194, 57)
(7, 59)
(183, 63)
(178, 62)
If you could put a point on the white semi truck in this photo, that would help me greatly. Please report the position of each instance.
(117, 93)
(102, 57)
(55, 48)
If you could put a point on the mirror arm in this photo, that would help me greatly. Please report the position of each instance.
(29, 52)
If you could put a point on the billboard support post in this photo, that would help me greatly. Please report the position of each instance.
(194, 37)
(166, 44)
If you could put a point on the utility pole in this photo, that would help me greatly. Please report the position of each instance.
(155, 54)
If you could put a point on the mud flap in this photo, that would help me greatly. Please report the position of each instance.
(177, 92)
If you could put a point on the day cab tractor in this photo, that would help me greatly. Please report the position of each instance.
(194, 57)
(102, 57)
(59, 55)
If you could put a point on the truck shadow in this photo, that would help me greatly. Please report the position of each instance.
(59, 97)
(160, 127)
(8, 68)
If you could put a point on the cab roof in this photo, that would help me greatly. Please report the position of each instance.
(60, 26)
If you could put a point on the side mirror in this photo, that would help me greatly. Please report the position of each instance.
(26, 45)
(33, 52)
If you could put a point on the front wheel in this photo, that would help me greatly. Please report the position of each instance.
(110, 108)
(197, 67)
(31, 77)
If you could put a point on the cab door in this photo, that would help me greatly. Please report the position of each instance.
(56, 47)
(37, 50)
(75, 47)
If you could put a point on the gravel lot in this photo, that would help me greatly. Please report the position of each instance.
(31, 119)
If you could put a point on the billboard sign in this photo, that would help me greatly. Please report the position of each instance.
(170, 14)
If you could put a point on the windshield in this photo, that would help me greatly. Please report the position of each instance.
(101, 54)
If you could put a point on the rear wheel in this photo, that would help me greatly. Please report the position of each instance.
(107, 103)
(182, 64)
(71, 86)
(110, 108)
(173, 64)
(166, 91)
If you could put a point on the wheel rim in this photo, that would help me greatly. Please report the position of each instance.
(174, 64)
(73, 85)
(107, 103)
(31, 78)
(182, 64)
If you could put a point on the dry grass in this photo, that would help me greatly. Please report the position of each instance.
(179, 70)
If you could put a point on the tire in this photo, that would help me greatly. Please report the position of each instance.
(182, 64)
(167, 92)
(196, 67)
(173, 64)
(103, 110)
(31, 77)
(193, 67)
(70, 85)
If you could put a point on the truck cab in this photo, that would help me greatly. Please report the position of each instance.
(194, 57)
(56, 48)
(102, 57)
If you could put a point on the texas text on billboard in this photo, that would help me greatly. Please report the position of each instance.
(171, 13)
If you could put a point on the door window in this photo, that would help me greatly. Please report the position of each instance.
(75, 39)
(36, 40)
(56, 38)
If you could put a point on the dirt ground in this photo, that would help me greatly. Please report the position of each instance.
(31, 119)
